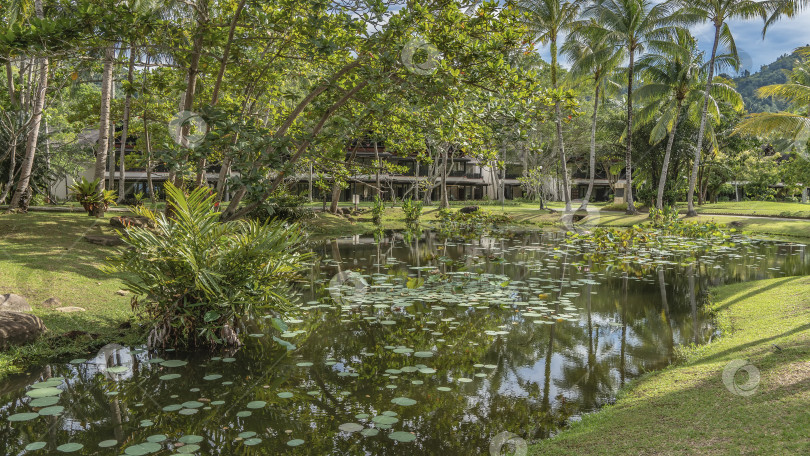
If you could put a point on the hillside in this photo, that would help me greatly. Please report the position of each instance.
(772, 73)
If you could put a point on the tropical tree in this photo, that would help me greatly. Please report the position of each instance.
(595, 59)
(631, 25)
(674, 79)
(547, 20)
(718, 12)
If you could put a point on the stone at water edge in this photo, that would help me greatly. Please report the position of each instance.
(14, 303)
(122, 292)
(18, 327)
(52, 302)
(69, 309)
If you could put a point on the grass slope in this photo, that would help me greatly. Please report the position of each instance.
(43, 255)
(687, 409)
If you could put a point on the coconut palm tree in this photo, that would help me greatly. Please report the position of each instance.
(674, 78)
(631, 25)
(547, 20)
(595, 59)
(718, 12)
(794, 125)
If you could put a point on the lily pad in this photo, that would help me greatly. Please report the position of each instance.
(69, 447)
(350, 427)
(23, 417)
(107, 443)
(256, 404)
(295, 442)
(403, 401)
(174, 363)
(401, 436)
(44, 401)
(34, 446)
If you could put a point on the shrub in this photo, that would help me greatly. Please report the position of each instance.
(413, 211)
(86, 193)
(197, 279)
(284, 206)
(377, 210)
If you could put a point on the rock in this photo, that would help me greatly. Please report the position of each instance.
(122, 292)
(52, 302)
(103, 239)
(18, 327)
(69, 309)
(130, 222)
(14, 303)
(469, 209)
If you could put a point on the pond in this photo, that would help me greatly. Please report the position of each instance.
(409, 344)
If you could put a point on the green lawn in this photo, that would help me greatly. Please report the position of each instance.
(43, 255)
(688, 410)
(759, 208)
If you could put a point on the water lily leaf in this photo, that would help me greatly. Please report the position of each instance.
(404, 401)
(285, 395)
(188, 449)
(190, 438)
(350, 427)
(246, 434)
(23, 417)
(174, 363)
(295, 442)
(244, 414)
(401, 436)
(169, 376)
(252, 442)
(210, 377)
(256, 404)
(69, 447)
(34, 446)
(43, 392)
(52, 411)
(44, 401)
(107, 443)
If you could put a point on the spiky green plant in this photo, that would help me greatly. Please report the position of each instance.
(196, 279)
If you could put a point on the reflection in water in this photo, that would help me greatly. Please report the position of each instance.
(518, 334)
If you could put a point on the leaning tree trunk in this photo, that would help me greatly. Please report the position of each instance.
(592, 157)
(335, 198)
(628, 155)
(104, 127)
(148, 146)
(377, 166)
(690, 199)
(12, 165)
(33, 133)
(662, 181)
(122, 173)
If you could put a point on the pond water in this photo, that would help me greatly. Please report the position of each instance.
(409, 345)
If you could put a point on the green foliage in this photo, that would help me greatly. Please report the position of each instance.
(469, 223)
(87, 194)
(413, 211)
(195, 278)
(377, 210)
(662, 218)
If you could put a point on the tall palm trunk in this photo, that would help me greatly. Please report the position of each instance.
(104, 127)
(592, 157)
(148, 146)
(662, 181)
(690, 211)
(36, 119)
(558, 125)
(628, 155)
(445, 203)
(122, 172)
(377, 176)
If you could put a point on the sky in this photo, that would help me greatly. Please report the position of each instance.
(782, 38)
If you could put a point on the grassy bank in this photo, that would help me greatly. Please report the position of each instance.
(43, 255)
(687, 409)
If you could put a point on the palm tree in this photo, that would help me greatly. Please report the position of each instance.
(631, 25)
(718, 12)
(546, 20)
(595, 59)
(674, 79)
(792, 125)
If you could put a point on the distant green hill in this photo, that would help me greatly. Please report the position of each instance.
(773, 73)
